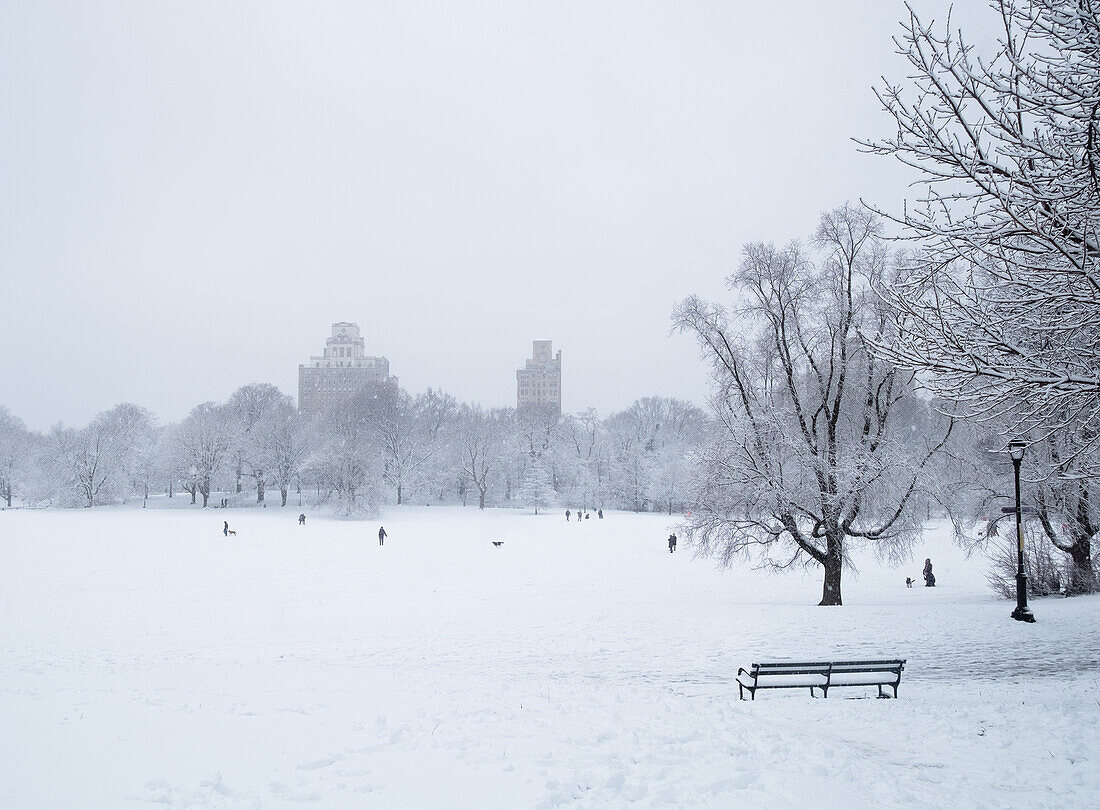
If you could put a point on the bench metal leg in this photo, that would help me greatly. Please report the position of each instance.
(885, 696)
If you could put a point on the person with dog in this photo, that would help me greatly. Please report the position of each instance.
(671, 543)
(382, 535)
(929, 577)
(225, 529)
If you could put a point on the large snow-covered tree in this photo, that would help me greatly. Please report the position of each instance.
(806, 459)
(1000, 307)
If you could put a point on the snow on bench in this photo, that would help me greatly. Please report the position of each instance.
(821, 675)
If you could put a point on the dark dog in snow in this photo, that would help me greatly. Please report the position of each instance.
(908, 582)
(498, 542)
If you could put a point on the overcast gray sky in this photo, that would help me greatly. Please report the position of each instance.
(192, 192)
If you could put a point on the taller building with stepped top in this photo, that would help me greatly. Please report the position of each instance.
(339, 371)
(538, 383)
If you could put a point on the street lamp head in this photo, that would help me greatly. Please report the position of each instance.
(1016, 449)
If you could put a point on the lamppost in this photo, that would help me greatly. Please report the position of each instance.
(1021, 613)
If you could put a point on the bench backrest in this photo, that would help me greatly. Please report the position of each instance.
(868, 666)
(823, 667)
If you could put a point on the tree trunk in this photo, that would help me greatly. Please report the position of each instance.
(283, 493)
(830, 593)
(1082, 577)
(205, 499)
(398, 494)
(481, 499)
(260, 489)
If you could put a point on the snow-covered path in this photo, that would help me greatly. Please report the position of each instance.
(146, 660)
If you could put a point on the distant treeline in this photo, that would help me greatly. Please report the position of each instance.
(382, 445)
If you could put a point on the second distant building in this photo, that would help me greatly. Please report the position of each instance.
(538, 383)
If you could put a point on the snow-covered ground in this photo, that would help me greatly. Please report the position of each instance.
(147, 660)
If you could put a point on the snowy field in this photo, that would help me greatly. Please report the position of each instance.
(148, 661)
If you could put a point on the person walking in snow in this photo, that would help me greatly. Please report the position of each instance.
(929, 577)
(381, 535)
(225, 529)
(671, 543)
(302, 519)
(566, 515)
(599, 514)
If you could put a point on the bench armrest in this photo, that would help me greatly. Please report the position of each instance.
(743, 670)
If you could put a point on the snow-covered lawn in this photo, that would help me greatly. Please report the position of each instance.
(147, 660)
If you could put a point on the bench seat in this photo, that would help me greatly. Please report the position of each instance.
(861, 678)
(784, 681)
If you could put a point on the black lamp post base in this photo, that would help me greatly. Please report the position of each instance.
(1023, 614)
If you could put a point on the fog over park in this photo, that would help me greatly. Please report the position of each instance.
(193, 192)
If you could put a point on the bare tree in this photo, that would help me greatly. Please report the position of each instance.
(280, 444)
(648, 443)
(203, 446)
(348, 462)
(483, 439)
(1001, 303)
(630, 458)
(248, 406)
(806, 458)
(100, 462)
(536, 437)
(406, 428)
(584, 454)
(438, 414)
(15, 447)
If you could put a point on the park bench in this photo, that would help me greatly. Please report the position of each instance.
(821, 675)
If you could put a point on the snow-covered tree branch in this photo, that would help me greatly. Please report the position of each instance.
(1000, 306)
